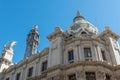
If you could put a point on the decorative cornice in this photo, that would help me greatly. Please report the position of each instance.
(28, 60)
(82, 38)
(75, 64)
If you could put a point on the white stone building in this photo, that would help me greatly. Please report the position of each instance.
(80, 53)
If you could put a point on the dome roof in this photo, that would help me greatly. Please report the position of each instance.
(81, 25)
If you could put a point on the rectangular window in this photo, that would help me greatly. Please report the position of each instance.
(7, 78)
(44, 66)
(30, 72)
(107, 77)
(87, 52)
(70, 55)
(72, 77)
(18, 76)
(103, 55)
(90, 76)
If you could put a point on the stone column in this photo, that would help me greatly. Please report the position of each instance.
(12, 75)
(37, 67)
(76, 52)
(94, 52)
(66, 56)
(82, 57)
(60, 50)
(99, 53)
(49, 57)
(24, 72)
(80, 53)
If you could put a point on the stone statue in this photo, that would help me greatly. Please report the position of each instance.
(9, 46)
(8, 49)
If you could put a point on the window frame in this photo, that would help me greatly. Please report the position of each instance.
(86, 54)
(44, 66)
(93, 76)
(7, 78)
(108, 77)
(71, 55)
(18, 76)
(103, 55)
(30, 72)
(72, 75)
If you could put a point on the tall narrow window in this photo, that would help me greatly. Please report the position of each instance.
(107, 77)
(103, 55)
(30, 72)
(90, 76)
(72, 77)
(18, 76)
(87, 52)
(7, 78)
(44, 66)
(70, 55)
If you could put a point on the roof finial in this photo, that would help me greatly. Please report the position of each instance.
(78, 17)
(78, 13)
(35, 27)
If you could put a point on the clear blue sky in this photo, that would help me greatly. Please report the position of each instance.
(18, 16)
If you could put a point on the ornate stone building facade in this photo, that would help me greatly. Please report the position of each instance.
(80, 53)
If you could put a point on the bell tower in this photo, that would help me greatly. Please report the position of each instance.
(32, 42)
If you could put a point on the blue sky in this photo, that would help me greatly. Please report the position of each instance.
(18, 16)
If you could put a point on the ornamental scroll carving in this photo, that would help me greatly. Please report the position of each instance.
(80, 74)
(57, 77)
(101, 74)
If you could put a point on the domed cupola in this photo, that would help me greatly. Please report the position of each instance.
(82, 26)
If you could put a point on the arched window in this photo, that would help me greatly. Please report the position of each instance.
(83, 32)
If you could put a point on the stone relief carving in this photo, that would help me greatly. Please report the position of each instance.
(101, 74)
(57, 77)
(80, 74)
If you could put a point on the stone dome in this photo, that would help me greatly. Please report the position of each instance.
(82, 26)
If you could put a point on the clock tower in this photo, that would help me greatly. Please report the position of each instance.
(32, 42)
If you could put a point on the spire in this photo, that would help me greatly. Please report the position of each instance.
(78, 17)
(78, 13)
